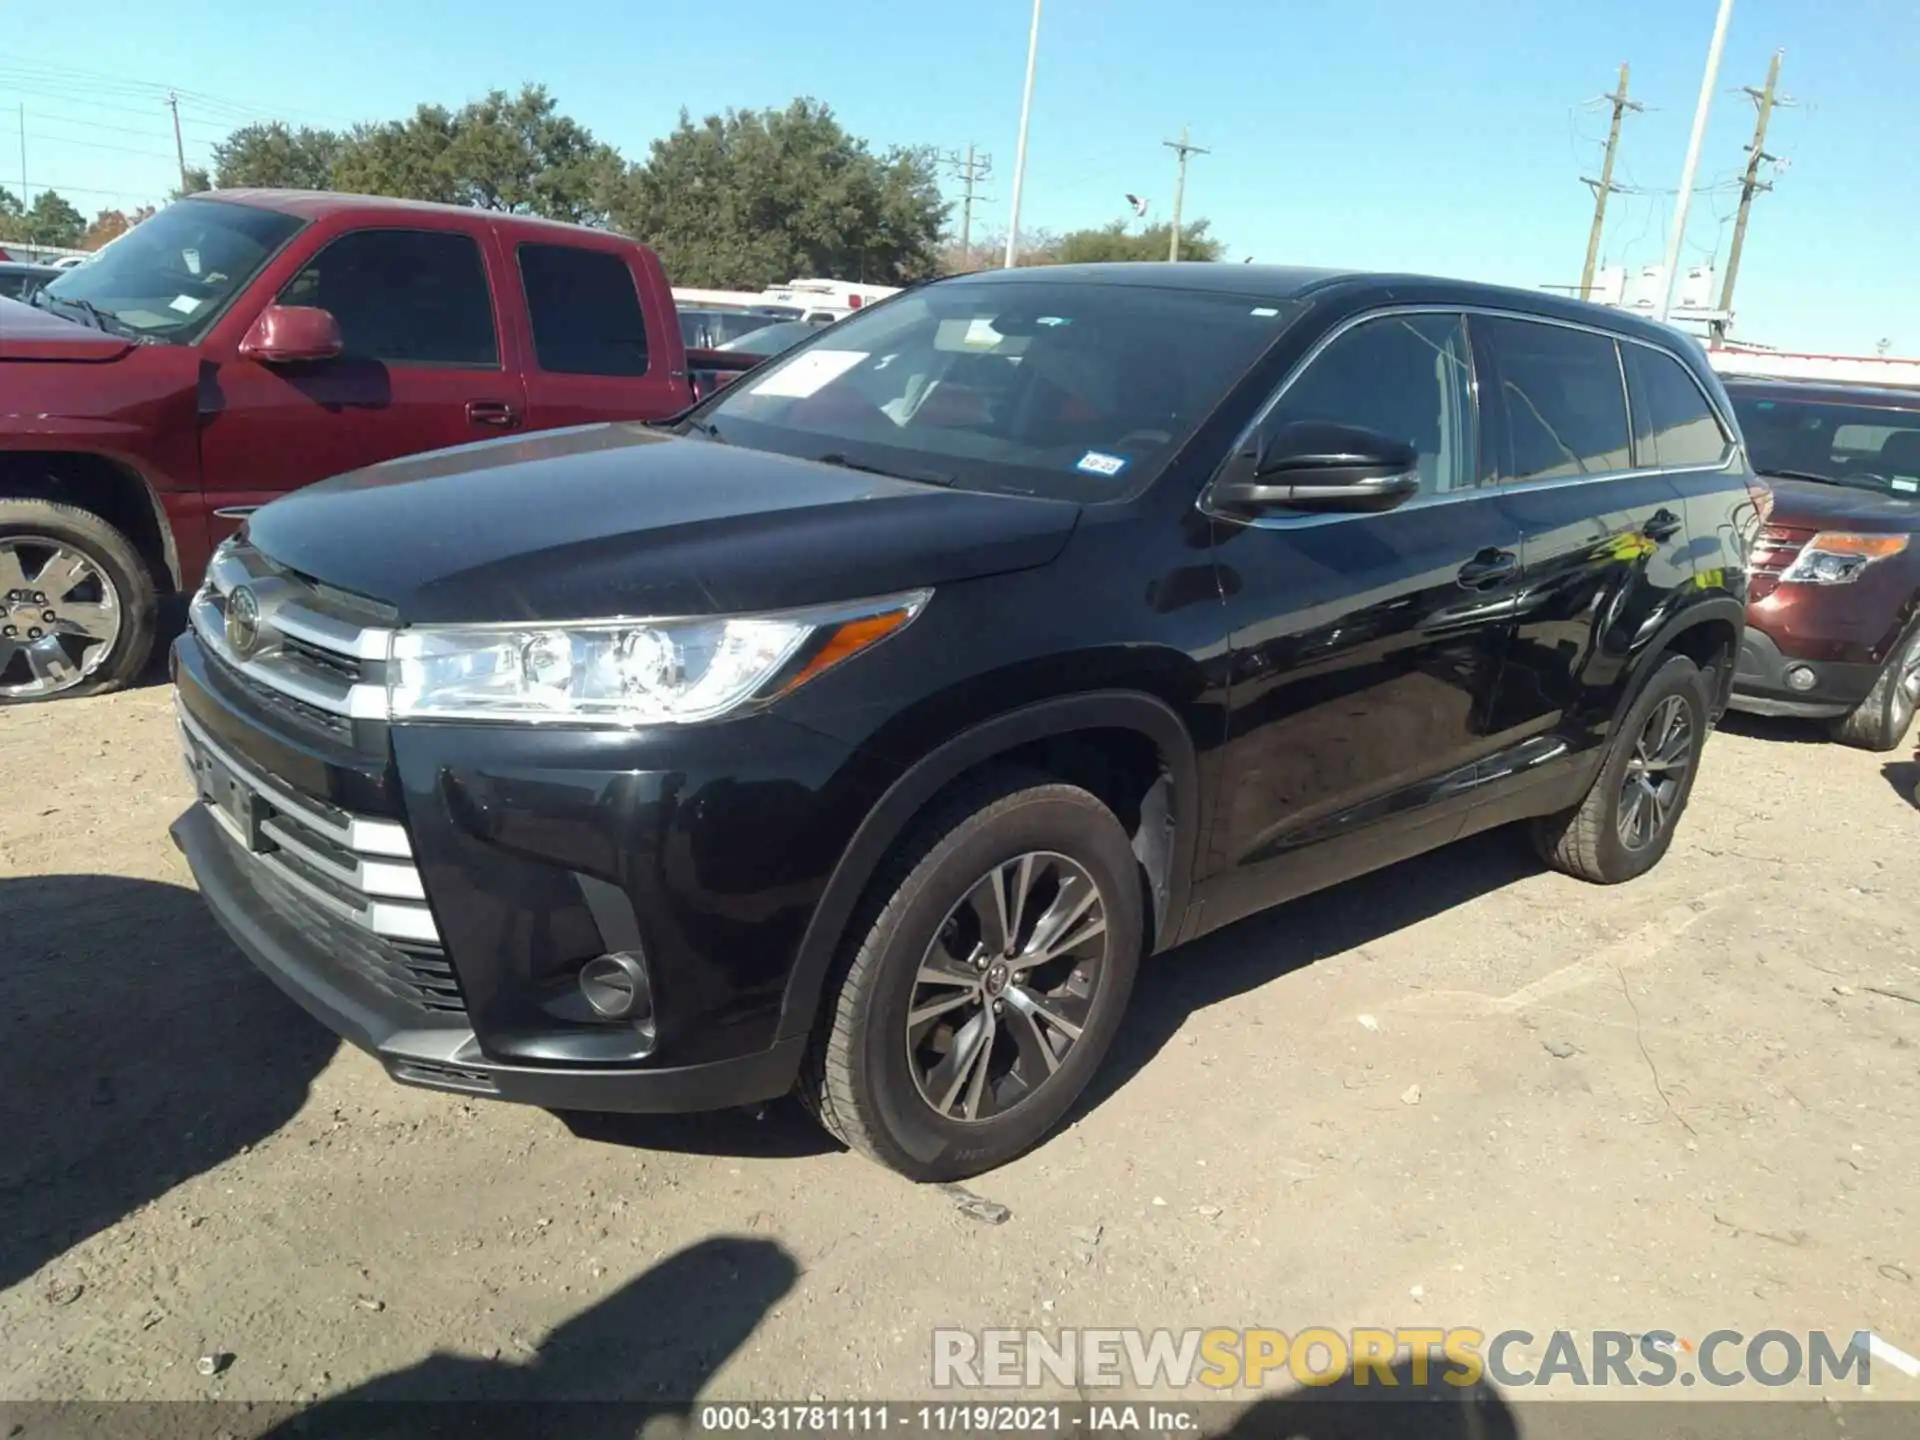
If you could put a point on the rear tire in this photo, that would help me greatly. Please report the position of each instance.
(39, 541)
(1881, 721)
(1628, 818)
(945, 1050)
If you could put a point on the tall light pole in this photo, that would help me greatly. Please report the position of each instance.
(1693, 158)
(1020, 152)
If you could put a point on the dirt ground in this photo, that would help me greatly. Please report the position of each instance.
(1460, 1092)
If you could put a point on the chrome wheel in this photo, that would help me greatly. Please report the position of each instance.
(1906, 686)
(1007, 986)
(59, 616)
(1656, 773)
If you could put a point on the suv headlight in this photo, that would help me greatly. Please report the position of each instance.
(629, 672)
(1836, 558)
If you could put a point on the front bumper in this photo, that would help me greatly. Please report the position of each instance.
(535, 850)
(1760, 685)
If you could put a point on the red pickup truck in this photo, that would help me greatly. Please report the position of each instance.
(245, 343)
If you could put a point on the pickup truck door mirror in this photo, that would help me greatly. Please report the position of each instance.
(292, 335)
(1311, 465)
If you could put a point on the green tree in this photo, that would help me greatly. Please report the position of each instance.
(1115, 242)
(750, 198)
(276, 156)
(515, 153)
(193, 182)
(50, 220)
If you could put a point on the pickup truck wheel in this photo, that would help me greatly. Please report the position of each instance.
(1628, 818)
(77, 603)
(993, 963)
(1881, 721)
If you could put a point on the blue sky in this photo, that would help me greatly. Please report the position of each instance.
(1405, 134)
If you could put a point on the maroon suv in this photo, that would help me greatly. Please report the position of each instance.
(1833, 612)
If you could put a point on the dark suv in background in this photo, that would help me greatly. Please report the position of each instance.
(1833, 624)
(861, 731)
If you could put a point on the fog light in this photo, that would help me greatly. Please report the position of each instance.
(1801, 677)
(616, 987)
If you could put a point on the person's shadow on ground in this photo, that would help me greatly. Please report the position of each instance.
(1426, 1408)
(642, 1354)
(138, 1048)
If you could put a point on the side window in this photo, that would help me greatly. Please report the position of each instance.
(406, 297)
(586, 313)
(1405, 376)
(1565, 406)
(1678, 420)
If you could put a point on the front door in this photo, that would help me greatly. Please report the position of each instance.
(1366, 648)
(421, 370)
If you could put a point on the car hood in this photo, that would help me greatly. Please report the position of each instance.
(1811, 505)
(618, 519)
(30, 333)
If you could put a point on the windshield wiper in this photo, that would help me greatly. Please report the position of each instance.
(100, 319)
(924, 477)
(706, 428)
(1800, 475)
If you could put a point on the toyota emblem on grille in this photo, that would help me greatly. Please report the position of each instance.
(243, 621)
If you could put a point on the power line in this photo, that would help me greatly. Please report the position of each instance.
(1182, 148)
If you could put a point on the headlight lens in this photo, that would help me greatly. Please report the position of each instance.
(1836, 558)
(629, 672)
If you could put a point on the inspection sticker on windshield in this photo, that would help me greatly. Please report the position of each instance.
(185, 304)
(808, 373)
(1097, 462)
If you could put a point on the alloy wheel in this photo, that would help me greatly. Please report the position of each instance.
(1007, 986)
(1656, 773)
(59, 616)
(1906, 686)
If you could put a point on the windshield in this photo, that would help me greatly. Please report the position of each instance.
(1073, 389)
(169, 276)
(1865, 447)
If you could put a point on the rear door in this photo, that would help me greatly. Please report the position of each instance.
(1603, 538)
(422, 368)
(1366, 647)
(597, 347)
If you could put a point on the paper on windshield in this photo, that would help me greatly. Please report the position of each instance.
(808, 373)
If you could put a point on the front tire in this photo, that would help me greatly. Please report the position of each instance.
(1628, 818)
(77, 604)
(992, 966)
(1881, 721)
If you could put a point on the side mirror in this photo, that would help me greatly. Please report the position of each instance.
(1311, 465)
(291, 335)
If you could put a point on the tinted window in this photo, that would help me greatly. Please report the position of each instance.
(1405, 377)
(406, 297)
(1071, 388)
(1866, 447)
(1677, 422)
(586, 314)
(1566, 408)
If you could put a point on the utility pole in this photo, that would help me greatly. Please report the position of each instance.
(1020, 151)
(179, 148)
(26, 195)
(1750, 186)
(970, 172)
(1603, 187)
(1181, 148)
(1692, 166)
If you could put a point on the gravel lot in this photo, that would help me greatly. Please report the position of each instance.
(1460, 1092)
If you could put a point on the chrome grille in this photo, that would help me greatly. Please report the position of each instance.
(355, 869)
(324, 651)
(1777, 548)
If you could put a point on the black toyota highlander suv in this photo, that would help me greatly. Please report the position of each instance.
(860, 732)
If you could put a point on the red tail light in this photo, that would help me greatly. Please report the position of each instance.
(853, 302)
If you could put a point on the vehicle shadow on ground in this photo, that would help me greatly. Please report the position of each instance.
(1904, 776)
(1780, 729)
(1402, 1408)
(779, 1130)
(1264, 947)
(646, 1351)
(139, 1049)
